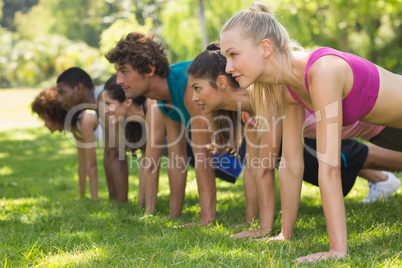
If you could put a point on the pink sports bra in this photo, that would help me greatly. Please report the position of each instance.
(366, 83)
(249, 119)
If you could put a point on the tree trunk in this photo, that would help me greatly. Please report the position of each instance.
(203, 25)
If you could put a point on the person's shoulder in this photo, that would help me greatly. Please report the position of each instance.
(177, 77)
(91, 112)
(98, 93)
(89, 117)
(151, 102)
(326, 66)
(100, 88)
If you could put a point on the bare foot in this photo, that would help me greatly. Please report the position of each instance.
(320, 256)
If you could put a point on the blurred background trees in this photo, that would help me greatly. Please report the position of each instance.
(41, 38)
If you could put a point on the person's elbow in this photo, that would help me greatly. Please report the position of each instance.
(110, 152)
(329, 171)
(150, 166)
(293, 169)
(91, 165)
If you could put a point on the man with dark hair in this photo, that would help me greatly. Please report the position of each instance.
(75, 88)
(143, 69)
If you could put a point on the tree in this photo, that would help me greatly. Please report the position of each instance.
(119, 29)
(369, 28)
(10, 7)
(75, 19)
(203, 23)
(38, 62)
(35, 29)
(181, 26)
(7, 42)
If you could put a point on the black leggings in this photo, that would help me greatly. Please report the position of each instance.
(390, 138)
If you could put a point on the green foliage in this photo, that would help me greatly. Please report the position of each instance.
(148, 9)
(39, 62)
(58, 17)
(75, 19)
(10, 7)
(369, 28)
(6, 43)
(119, 29)
(181, 28)
(217, 13)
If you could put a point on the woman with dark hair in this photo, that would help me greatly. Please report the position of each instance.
(85, 129)
(133, 117)
(220, 95)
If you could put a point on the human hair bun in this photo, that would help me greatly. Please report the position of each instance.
(260, 6)
(214, 46)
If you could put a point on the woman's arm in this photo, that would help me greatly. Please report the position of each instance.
(249, 181)
(290, 171)
(204, 169)
(265, 180)
(249, 177)
(259, 178)
(326, 96)
(115, 163)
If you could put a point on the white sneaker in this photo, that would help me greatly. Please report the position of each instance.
(382, 190)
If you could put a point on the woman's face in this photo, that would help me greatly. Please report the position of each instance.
(244, 59)
(117, 111)
(208, 98)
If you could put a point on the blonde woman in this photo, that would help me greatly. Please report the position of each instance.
(340, 88)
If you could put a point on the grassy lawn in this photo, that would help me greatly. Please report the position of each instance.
(44, 223)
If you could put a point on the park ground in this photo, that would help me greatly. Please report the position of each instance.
(44, 223)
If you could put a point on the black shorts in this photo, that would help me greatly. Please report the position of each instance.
(353, 156)
(389, 138)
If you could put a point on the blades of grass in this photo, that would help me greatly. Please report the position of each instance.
(27, 256)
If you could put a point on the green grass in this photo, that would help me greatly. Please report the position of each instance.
(44, 223)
